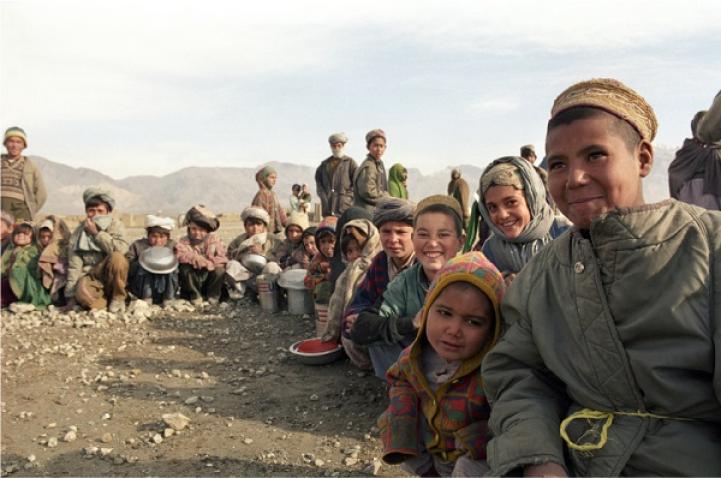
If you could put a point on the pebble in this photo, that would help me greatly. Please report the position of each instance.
(106, 416)
(168, 432)
(52, 442)
(192, 400)
(70, 436)
(373, 468)
(157, 439)
(318, 462)
(314, 398)
(350, 461)
(31, 458)
(118, 460)
(106, 451)
(106, 438)
(247, 441)
(176, 421)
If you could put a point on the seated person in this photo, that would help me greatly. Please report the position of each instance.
(97, 267)
(20, 273)
(515, 208)
(255, 240)
(436, 423)
(284, 250)
(153, 285)
(202, 257)
(53, 237)
(316, 279)
(7, 223)
(610, 363)
(301, 257)
(388, 328)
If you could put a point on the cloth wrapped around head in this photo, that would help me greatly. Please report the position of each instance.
(255, 212)
(101, 194)
(203, 216)
(299, 219)
(165, 223)
(338, 138)
(393, 209)
(614, 97)
(261, 177)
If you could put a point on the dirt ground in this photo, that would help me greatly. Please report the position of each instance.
(84, 395)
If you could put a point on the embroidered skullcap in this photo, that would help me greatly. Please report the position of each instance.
(447, 203)
(393, 209)
(199, 214)
(166, 223)
(501, 174)
(614, 97)
(375, 133)
(255, 212)
(101, 194)
(16, 132)
(338, 138)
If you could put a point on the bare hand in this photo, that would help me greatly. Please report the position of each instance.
(90, 227)
(417, 319)
(349, 321)
(509, 278)
(256, 249)
(545, 470)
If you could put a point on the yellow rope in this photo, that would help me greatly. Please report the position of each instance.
(589, 414)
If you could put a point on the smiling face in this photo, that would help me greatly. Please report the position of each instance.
(309, 244)
(397, 240)
(23, 236)
(14, 146)
(459, 322)
(592, 170)
(377, 147)
(508, 209)
(435, 240)
(327, 245)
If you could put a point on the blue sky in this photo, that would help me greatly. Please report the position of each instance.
(143, 87)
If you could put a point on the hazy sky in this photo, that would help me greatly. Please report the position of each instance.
(149, 87)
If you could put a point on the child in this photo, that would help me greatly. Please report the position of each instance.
(202, 257)
(316, 279)
(300, 259)
(436, 422)
(397, 181)
(268, 200)
(53, 237)
(158, 286)
(388, 328)
(370, 182)
(611, 363)
(284, 250)
(515, 208)
(20, 273)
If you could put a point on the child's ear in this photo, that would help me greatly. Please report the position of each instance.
(644, 155)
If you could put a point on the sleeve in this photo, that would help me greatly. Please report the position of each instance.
(708, 129)
(132, 254)
(399, 424)
(41, 193)
(187, 255)
(715, 313)
(75, 269)
(526, 405)
(113, 240)
(366, 185)
(217, 254)
(389, 322)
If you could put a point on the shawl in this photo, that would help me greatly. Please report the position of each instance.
(512, 254)
(397, 177)
(86, 242)
(100, 193)
(55, 252)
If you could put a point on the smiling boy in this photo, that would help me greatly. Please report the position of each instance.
(611, 364)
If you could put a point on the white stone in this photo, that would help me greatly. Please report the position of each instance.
(176, 421)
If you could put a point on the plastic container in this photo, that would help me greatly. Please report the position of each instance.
(297, 299)
(267, 294)
(321, 319)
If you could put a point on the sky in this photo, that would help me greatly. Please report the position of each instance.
(150, 87)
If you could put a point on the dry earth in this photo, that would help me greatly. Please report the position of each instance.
(85, 394)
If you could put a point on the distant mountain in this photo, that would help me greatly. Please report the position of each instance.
(231, 189)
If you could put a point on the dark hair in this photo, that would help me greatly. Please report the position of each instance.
(296, 187)
(346, 242)
(201, 225)
(619, 127)
(442, 208)
(95, 202)
(465, 286)
(157, 229)
(24, 227)
(526, 152)
(254, 220)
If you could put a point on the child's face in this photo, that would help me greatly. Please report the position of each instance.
(294, 233)
(99, 210)
(459, 322)
(197, 232)
(396, 239)
(352, 251)
(309, 244)
(435, 240)
(327, 245)
(45, 236)
(508, 209)
(591, 170)
(23, 237)
(377, 147)
(254, 226)
(14, 146)
(156, 238)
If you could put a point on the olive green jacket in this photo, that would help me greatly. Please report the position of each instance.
(625, 318)
(370, 183)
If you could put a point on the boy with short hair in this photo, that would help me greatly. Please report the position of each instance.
(436, 422)
(612, 363)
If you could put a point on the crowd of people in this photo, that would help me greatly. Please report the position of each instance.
(556, 325)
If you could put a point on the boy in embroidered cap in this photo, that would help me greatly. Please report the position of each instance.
(611, 365)
(153, 281)
(436, 422)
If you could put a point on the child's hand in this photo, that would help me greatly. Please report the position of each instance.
(417, 319)
(509, 278)
(547, 469)
(349, 321)
(256, 249)
(90, 227)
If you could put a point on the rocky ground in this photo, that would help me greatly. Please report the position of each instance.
(180, 391)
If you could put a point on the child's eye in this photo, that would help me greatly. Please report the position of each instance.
(555, 165)
(475, 322)
(596, 155)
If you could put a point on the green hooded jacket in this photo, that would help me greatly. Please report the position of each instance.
(20, 266)
(397, 176)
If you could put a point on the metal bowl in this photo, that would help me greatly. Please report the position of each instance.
(158, 260)
(254, 262)
(318, 358)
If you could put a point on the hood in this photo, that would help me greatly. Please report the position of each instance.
(372, 244)
(398, 173)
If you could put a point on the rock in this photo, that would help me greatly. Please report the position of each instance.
(105, 451)
(318, 462)
(52, 442)
(176, 421)
(70, 436)
(31, 458)
(118, 460)
(91, 450)
(314, 398)
(204, 375)
(106, 438)
(192, 400)
(168, 432)
(308, 457)
(247, 441)
(106, 416)
(21, 308)
(350, 461)
(207, 398)
(373, 468)
(157, 439)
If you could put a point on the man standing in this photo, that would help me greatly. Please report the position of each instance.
(528, 152)
(334, 178)
(23, 190)
(458, 189)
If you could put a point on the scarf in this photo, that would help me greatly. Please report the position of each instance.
(86, 242)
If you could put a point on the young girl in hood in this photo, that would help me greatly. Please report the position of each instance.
(437, 420)
(316, 278)
(301, 257)
(268, 200)
(21, 281)
(397, 181)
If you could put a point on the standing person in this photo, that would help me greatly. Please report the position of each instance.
(370, 182)
(306, 198)
(97, 267)
(334, 178)
(53, 239)
(610, 365)
(459, 190)
(694, 176)
(397, 181)
(268, 200)
(295, 198)
(23, 189)
(528, 152)
(7, 223)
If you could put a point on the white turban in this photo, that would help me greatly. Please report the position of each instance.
(338, 138)
(166, 223)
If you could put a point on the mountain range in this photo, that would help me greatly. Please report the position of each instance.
(231, 189)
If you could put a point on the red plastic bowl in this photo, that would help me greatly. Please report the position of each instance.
(315, 346)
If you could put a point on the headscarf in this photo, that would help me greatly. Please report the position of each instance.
(327, 225)
(101, 194)
(262, 175)
(165, 223)
(55, 252)
(200, 214)
(16, 132)
(512, 254)
(393, 209)
(337, 266)
(397, 176)
(268, 200)
(255, 212)
(299, 219)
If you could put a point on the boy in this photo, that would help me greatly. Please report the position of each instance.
(436, 422)
(611, 365)
(300, 259)
(153, 286)
(316, 279)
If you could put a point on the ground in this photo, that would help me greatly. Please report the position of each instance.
(84, 395)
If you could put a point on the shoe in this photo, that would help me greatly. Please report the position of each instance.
(116, 306)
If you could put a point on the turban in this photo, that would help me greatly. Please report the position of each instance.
(200, 214)
(614, 97)
(165, 223)
(16, 132)
(255, 212)
(101, 194)
(375, 133)
(393, 209)
(501, 174)
(440, 200)
(338, 138)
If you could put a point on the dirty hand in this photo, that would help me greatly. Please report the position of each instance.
(90, 227)
(256, 249)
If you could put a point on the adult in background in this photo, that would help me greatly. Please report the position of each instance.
(23, 189)
(97, 267)
(459, 190)
(398, 181)
(295, 198)
(528, 152)
(268, 200)
(305, 198)
(370, 182)
(694, 176)
(334, 178)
